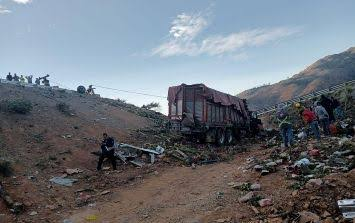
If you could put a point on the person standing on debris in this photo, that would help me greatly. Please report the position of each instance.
(45, 81)
(38, 81)
(22, 79)
(328, 105)
(15, 78)
(338, 111)
(310, 119)
(107, 151)
(90, 90)
(29, 79)
(323, 117)
(285, 126)
(9, 77)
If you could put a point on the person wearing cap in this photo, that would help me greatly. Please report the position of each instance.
(285, 126)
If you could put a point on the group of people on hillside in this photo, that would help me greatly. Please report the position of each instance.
(28, 79)
(322, 113)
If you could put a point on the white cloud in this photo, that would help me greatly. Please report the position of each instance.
(4, 10)
(185, 28)
(22, 1)
(230, 43)
(183, 31)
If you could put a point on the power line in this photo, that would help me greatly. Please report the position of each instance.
(131, 92)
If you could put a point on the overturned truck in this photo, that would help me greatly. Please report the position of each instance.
(209, 115)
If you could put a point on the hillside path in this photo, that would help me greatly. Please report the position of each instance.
(180, 194)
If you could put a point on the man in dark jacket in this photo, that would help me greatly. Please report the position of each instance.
(328, 105)
(107, 151)
(9, 77)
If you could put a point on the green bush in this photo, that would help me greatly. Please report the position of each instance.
(19, 106)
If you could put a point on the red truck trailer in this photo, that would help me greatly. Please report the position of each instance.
(210, 115)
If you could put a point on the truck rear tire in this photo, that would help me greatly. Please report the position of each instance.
(229, 137)
(220, 137)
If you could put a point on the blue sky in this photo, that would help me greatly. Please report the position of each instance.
(147, 46)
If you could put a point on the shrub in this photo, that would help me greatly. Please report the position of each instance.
(5, 167)
(64, 108)
(19, 106)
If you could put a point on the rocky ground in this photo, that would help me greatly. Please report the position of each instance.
(253, 181)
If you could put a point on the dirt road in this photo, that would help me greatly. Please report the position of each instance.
(183, 194)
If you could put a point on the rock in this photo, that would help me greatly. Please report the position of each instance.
(303, 162)
(314, 152)
(156, 172)
(271, 164)
(236, 184)
(284, 155)
(310, 176)
(246, 197)
(265, 172)
(73, 171)
(258, 167)
(33, 213)
(326, 214)
(17, 207)
(105, 192)
(67, 221)
(306, 205)
(256, 211)
(308, 217)
(265, 202)
(255, 186)
(328, 220)
(51, 207)
(218, 208)
(279, 162)
(222, 220)
(314, 182)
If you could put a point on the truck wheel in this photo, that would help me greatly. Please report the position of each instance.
(221, 138)
(229, 137)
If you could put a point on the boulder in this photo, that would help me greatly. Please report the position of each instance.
(255, 186)
(247, 197)
(265, 202)
(308, 217)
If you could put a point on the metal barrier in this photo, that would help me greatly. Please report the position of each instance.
(306, 97)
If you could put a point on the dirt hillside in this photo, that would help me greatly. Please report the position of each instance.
(45, 142)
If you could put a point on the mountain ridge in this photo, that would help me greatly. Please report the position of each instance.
(325, 72)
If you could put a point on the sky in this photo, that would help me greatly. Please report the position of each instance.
(147, 46)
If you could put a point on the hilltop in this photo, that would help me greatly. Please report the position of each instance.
(326, 72)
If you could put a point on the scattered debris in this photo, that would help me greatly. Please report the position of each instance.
(347, 207)
(63, 181)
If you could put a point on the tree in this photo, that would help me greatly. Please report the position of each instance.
(152, 106)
